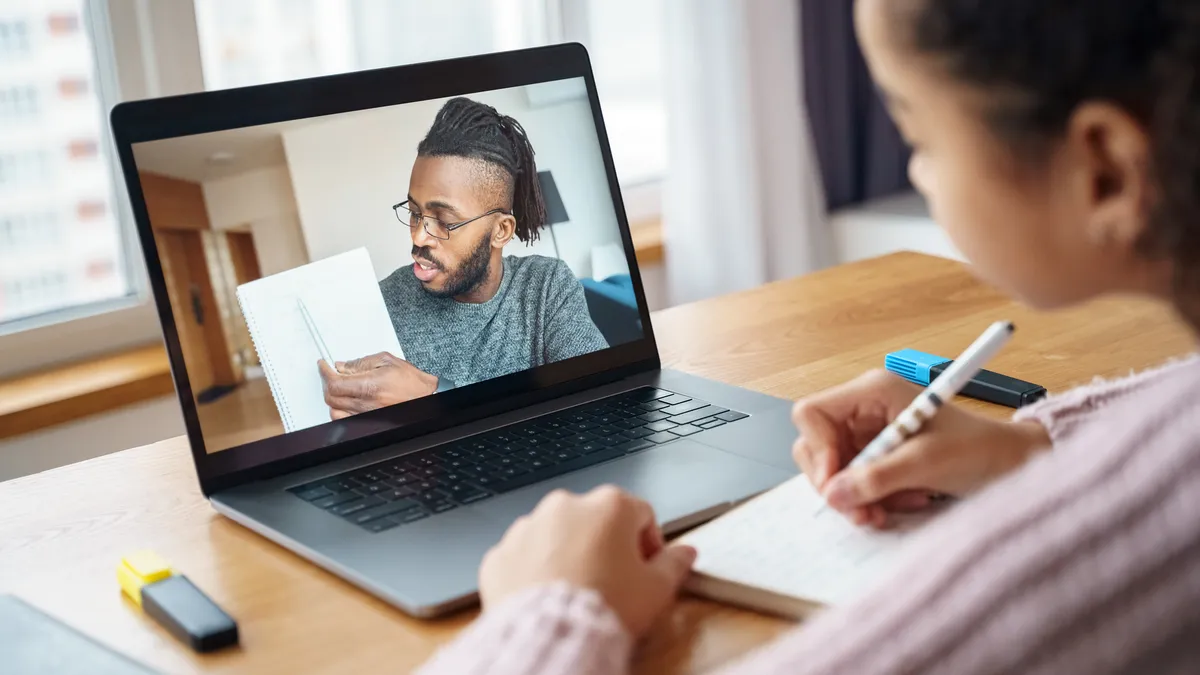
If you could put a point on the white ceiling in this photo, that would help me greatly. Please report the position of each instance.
(187, 157)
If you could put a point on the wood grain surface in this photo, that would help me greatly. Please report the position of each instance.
(648, 241)
(63, 531)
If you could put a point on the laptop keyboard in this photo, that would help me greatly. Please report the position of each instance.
(406, 489)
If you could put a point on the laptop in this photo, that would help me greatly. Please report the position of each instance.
(518, 354)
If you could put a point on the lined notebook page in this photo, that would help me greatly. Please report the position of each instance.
(777, 544)
(343, 297)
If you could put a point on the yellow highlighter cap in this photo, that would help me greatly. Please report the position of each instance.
(138, 569)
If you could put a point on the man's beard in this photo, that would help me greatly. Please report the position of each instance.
(470, 274)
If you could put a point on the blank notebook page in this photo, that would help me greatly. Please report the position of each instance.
(776, 543)
(343, 297)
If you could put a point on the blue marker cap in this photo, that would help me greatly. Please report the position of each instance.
(923, 369)
(913, 365)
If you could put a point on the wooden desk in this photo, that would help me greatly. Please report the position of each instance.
(62, 532)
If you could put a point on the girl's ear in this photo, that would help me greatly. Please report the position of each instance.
(1115, 152)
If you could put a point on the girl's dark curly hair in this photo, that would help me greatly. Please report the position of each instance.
(1046, 57)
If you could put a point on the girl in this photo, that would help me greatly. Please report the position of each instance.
(1058, 141)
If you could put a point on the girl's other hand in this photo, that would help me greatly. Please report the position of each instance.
(606, 540)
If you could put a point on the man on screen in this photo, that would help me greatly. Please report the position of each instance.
(464, 312)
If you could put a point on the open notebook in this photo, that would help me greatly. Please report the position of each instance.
(775, 554)
(347, 309)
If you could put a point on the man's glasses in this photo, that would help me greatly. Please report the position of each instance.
(434, 227)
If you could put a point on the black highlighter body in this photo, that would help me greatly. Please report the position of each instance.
(996, 388)
(188, 614)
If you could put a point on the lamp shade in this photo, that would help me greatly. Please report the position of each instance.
(556, 211)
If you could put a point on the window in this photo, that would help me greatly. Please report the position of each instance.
(625, 40)
(14, 38)
(18, 103)
(61, 246)
(244, 43)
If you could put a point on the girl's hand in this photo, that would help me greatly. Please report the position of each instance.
(606, 540)
(955, 453)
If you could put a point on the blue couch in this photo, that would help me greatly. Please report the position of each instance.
(613, 306)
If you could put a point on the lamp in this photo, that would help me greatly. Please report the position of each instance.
(556, 211)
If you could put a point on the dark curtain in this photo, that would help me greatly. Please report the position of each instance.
(861, 153)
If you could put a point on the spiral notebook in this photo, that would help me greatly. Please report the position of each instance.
(776, 554)
(347, 308)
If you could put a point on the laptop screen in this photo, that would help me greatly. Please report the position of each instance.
(323, 269)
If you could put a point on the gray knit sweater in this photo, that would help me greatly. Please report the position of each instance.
(539, 315)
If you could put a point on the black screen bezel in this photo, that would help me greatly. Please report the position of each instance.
(171, 117)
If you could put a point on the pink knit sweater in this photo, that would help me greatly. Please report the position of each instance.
(1087, 560)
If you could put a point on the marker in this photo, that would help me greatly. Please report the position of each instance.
(929, 401)
(315, 334)
(175, 602)
(921, 368)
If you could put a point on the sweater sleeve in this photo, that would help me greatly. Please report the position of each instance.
(550, 630)
(570, 331)
(1084, 561)
(1065, 413)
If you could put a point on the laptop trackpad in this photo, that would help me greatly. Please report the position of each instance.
(685, 482)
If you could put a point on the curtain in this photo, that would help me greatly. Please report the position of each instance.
(862, 155)
(742, 201)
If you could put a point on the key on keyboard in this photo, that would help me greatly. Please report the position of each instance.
(403, 490)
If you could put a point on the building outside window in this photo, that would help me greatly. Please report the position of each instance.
(61, 246)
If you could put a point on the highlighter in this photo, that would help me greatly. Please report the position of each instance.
(921, 368)
(175, 602)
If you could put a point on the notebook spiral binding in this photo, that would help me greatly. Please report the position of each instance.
(289, 424)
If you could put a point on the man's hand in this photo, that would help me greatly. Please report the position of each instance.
(372, 382)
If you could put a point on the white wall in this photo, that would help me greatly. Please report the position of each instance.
(899, 223)
(349, 170)
(252, 195)
(129, 427)
(279, 243)
(654, 282)
(263, 201)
